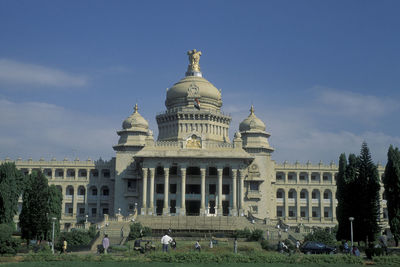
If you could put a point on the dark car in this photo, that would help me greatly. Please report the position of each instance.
(311, 247)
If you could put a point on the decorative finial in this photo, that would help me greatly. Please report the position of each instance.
(194, 66)
(136, 108)
(252, 110)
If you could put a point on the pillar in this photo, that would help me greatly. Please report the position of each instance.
(219, 205)
(53, 173)
(321, 204)
(144, 192)
(309, 204)
(76, 174)
(234, 192)
(64, 173)
(321, 177)
(75, 202)
(298, 190)
(87, 174)
(183, 191)
(151, 204)
(297, 177)
(166, 191)
(241, 192)
(203, 191)
(309, 177)
(286, 199)
(333, 205)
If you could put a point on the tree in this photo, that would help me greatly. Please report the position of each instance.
(321, 235)
(34, 217)
(55, 199)
(367, 211)
(345, 194)
(8, 245)
(11, 185)
(391, 181)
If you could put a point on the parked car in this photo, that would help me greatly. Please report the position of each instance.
(312, 247)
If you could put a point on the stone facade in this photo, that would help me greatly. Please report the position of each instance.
(193, 168)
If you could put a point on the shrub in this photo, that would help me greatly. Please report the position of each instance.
(245, 233)
(138, 231)
(321, 235)
(256, 235)
(75, 239)
(267, 246)
(387, 260)
(8, 245)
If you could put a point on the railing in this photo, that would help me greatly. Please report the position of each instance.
(191, 110)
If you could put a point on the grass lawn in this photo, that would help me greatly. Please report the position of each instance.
(130, 264)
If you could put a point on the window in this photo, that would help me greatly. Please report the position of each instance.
(212, 171)
(290, 177)
(302, 178)
(314, 195)
(326, 178)
(291, 213)
(70, 191)
(225, 189)
(302, 195)
(278, 177)
(131, 207)
(291, 194)
(254, 186)
(326, 214)
(172, 188)
(105, 210)
(132, 185)
(70, 210)
(94, 192)
(314, 214)
(160, 170)
(95, 173)
(106, 192)
(81, 191)
(211, 189)
(173, 170)
(106, 173)
(279, 212)
(81, 211)
(225, 171)
(302, 213)
(193, 171)
(193, 189)
(326, 195)
(94, 211)
(279, 194)
(313, 178)
(160, 188)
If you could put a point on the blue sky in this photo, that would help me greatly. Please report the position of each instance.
(322, 75)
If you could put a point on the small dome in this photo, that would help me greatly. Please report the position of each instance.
(190, 87)
(135, 120)
(252, 123)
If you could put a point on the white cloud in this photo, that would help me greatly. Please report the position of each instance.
(32, 129)
(18, 73)
(346, 103)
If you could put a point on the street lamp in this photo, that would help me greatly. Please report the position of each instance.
(52, 241)
(86, 216)
(351, 219)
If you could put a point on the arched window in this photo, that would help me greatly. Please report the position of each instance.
(70, 190)
(280, 193)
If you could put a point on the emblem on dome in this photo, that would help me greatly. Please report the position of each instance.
(193, 142)
(194, 58)
(193, 90)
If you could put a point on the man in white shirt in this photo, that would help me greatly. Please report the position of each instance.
(165, 241)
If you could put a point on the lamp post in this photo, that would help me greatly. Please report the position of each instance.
(86, 216)
(351, 219)
(52, 241)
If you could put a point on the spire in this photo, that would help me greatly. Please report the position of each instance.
(252, 110)
(136, 108)
(194, 66)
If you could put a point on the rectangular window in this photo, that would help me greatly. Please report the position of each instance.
(291, 213)
(70, 210)
(106, 192)
(132, 185)
(313, 178)
(314, 195)
(254, 186)
(81, 211)
(172, 188)
(302, 195)
(94, 211)
(326, 178)
(314, 214)
(278, 177)
(290, 177)
(225, 189)
(160, 188)
(291, 194)
(302, 177)
(105, 211)
(326, 214)
(326, 195)
(279, 213)
(212, 188)
(303, 213)
(173, 170)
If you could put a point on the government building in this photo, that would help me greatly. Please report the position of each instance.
(193, 168)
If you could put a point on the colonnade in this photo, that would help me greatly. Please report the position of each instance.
(237, 191)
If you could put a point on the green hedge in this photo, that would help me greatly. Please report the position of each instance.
(387, 260)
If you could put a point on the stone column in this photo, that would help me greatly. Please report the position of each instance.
(298, 190)
(64, 173)
(321, 204)
(87, 174)
(76, 173)
(321, 177)
(297, 177)
(75, 202)
(286, 199)
(219, 205)
(332, 177)
(203, 191)
(241, 192)
(183, 192)
(150, 210)
(63, 201)
(144, 192)
(98, 200)
(310, 204)
(333, 205)
(166, 191)
(309, 177)
(234, 192)
(53, 173)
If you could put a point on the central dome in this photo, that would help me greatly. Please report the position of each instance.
(184, 92)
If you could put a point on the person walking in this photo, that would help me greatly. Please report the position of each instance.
(197, 246)
(106, 244)
(298, 246)
(64, 247)
(165, 241)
